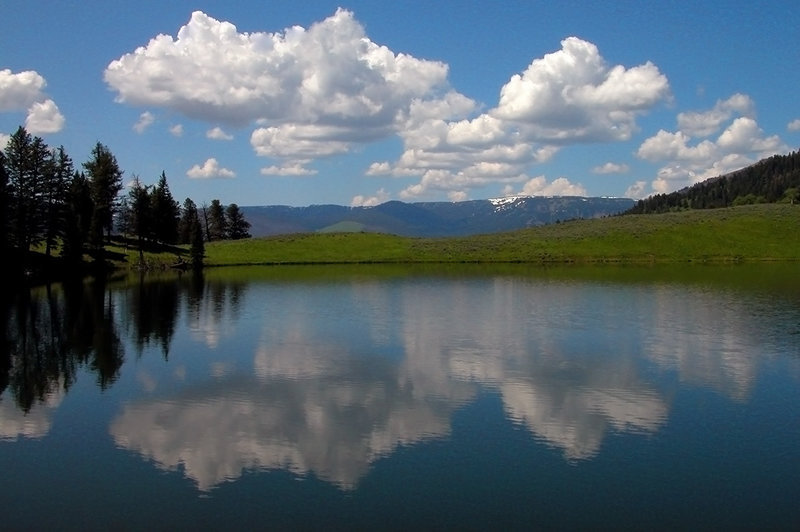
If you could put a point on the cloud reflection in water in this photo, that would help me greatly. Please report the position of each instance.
(323, 395)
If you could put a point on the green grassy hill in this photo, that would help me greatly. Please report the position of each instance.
(750, 232)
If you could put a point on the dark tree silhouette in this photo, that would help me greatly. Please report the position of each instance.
(217, 223)
(105, 178)
(189, 216)
(237, 225)
(165, 212)
(56, 188)
(139, 213)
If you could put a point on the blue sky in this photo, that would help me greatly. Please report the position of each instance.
(361, 102)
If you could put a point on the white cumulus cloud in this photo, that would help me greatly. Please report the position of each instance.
(794, 125)
(574, 95)
(24, 91)
(381, 196)
(637, 190)
(705, 123)
(566, 97)
(689, 160)
(327, 74)
(19, 91)
(328, 89)
(44, 117)
(209, 169)
(561, 186)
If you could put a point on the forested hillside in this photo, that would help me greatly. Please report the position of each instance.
(772, 180)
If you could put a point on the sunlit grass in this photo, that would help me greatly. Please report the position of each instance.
(752, 232)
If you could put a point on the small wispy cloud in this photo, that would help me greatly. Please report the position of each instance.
(217, 133)
(611, 168)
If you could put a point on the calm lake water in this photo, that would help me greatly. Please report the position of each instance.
(396, 398)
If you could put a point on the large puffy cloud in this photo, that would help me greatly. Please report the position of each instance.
(324, 90)
(744, 135)
(18, 91)
(566, 97)
(329, 74)
(573, 95)
(689, 160)
(24, 91)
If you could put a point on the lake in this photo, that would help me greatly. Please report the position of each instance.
(392, 397)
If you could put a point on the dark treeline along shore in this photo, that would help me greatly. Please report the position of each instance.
(60, 221)
(57, 220)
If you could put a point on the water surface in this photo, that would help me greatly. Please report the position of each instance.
(395, 398)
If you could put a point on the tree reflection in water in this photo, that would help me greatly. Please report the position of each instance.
(50, 332)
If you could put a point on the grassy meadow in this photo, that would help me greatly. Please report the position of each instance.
(744, 233)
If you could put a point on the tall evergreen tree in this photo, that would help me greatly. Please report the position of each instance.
(78, 217)
(141, 219)
(27, 162)
(5, 202)
(237, 225)
(56, 186)
(165, 213)
(189, 216)
(191, 220)
(105, 178)
(218, 225)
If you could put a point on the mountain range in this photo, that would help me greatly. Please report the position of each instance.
(431, 219)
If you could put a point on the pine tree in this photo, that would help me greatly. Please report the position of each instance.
(56, 186)
(78, 216)
(237, 225)
(27, 163)
(105, 178)
(139, 202)
(189, 215)
(218, 225)
(165, 213)
(5, 201)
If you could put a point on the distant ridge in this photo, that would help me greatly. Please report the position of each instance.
(431, 219)
(771, 180)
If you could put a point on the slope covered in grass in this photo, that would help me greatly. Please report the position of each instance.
(751, 232)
